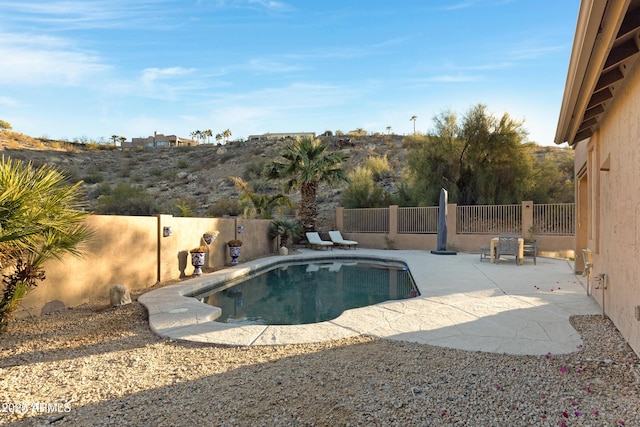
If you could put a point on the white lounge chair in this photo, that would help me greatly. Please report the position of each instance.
(316, 242)
(336, 238)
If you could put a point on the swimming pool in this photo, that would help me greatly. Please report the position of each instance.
(309, 292)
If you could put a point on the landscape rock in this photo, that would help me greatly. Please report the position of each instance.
(119, 295)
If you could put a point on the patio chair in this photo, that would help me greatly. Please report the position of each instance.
(485, 252)
(531, 249)
(316, 242)
(336, 238)
(508, 245)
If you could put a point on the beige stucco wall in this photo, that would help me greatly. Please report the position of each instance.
(612, 198)
(133, 251)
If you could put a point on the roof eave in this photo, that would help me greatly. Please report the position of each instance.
(596, 29)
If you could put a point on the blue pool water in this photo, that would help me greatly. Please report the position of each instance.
(295, 294)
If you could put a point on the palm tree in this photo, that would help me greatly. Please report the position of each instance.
(40, 220)
(226, 134)
(388, 130)
(122, 139)
(413, 118)
(307, 164)
(208, 133)
(285, 229)
(115, 138)
(218, 137)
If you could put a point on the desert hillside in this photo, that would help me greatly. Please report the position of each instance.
(195, 176)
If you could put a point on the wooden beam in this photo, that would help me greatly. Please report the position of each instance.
(620, 53)
(600, 97)
(582, 135)
(609, 78)
(587, 124)
(593, 112)
(630, 23)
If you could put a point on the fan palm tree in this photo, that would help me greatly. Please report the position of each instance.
(413, 119)
(40, 219)
(285, 229)
(306, 165)
(226, 134)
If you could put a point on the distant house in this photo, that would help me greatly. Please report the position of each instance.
(268, 136)
(159, 140)
(600, 119)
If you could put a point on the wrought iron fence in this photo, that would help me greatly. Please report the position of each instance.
(489, 219)
(548, 219)
(554, 219)
(420, 220)
(372, 220)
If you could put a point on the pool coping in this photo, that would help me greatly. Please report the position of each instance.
(454, 312)
(174, 313)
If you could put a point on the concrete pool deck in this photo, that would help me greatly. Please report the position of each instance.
(464, 304)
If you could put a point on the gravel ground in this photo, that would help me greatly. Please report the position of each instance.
(100, 366)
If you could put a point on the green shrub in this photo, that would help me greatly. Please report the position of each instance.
(363, 192)
(127, 199)
(225, 206)
(93, 178)
(155, 171)
(182, 164)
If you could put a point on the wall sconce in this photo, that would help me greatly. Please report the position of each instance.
(166, 231)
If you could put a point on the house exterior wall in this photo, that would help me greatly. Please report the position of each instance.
(609, 208)
(268, 136)
(159, 140)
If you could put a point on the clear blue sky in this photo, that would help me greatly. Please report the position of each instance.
(72, 69)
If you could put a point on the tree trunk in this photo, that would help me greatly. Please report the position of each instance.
(308, 206)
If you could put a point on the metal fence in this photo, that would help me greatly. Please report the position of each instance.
(554, 219)
(489, 219)
(372, 220)
(418, 220)
(548, 219)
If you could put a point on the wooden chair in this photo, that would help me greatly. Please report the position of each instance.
(508, 245)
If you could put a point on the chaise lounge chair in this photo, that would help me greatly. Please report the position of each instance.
(316, 242)
(336, 238)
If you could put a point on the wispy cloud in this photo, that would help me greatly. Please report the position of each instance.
(72, 15)
(9, 102)
(37, 60)
(150, 75)
(450, 78)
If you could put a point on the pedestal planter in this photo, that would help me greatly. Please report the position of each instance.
(234, 253)
(197, 260)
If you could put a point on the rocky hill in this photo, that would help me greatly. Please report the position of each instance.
(193, 176)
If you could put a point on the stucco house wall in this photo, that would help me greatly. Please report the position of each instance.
(611, 160)
(600, 119)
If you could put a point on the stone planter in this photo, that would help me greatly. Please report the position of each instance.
(197, 260)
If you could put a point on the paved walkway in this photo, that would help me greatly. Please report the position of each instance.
(464, 304)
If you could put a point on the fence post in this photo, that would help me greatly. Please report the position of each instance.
(527, 219)
(393, 222)
(340, 219)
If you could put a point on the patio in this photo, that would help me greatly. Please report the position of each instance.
(464, 304)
